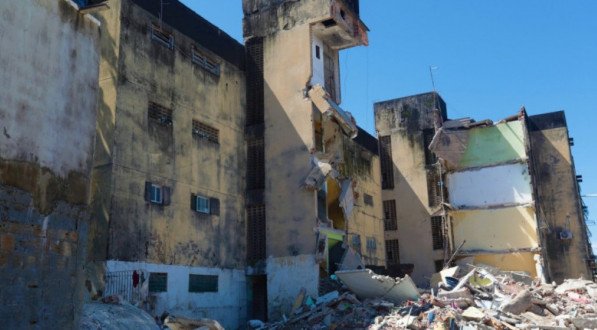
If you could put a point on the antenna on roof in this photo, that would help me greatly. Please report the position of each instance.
(431, 68)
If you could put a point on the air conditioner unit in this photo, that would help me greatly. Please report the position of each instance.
(565, 235)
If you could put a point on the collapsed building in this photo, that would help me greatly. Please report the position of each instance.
(505, 195)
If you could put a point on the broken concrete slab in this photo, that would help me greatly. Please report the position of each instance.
(573, 285)
(318, 174)
(180, 323)
(519, 304)
(473, 314)
(351, 260)
(116, 316)
(366, 284)
(322, 100)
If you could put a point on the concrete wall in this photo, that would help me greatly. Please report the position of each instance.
(227, 305)
(496, 229)
(558, 203)
(490, 186)
(404, 119)
(492, 145)
(48, 98)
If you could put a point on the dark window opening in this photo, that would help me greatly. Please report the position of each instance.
(255, 233)
(390, 220)
(205, 62)
(203, 283)
(159, 114)
(206, 132)
(387, 167)
(318, 129)
(158, 282)
(392, 252)
(317, 52)
(439, 265)
(329, 68)
(329, 23)
(162, 37)
(430, 158)
(255, 164)
(368, 199)
(434, 188)
(356, 243)
(437, 233)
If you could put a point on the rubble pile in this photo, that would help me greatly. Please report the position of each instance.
(476, 298)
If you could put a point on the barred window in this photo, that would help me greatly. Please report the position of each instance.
(437, 233)
(204, 131)
(159, 114)
(392, 252)
(389, 210)
(162, 37)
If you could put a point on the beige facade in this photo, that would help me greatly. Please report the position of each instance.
(414, 228)
(170, 159)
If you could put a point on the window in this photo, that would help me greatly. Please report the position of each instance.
(162, 37)
(255, 232)
(437, 233)
(205, 205)
(202, 205)
(434, 188)
(439, 265)
(389, 211)
(159, 114)
(317, 52)
(371, 244)
(430, 158)
(204, 131)
(204, 62)
(158, 282)
(368, 199)
(387, 167)
(203, 283)
(392, 252)
(356, 243)
(157, 194)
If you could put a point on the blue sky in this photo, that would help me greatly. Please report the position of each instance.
(491, 58)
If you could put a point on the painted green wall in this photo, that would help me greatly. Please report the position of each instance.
(493, 145)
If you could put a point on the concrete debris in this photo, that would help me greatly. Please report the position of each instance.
(323, 101)
(484, 298)
(318, 174)
(116, 314)
(179, 323)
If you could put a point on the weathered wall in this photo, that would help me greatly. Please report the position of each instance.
(175, 234)
(558, 204)
(404, 119)
(490, 186)
(495, 229)
(227, 305)
(517, 261)
(48, 101)
(493, 145)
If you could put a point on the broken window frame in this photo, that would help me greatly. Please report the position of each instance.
(205, 62)
(162, 37)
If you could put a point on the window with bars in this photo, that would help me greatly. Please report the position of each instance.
(206, 132)
(437, 233)
(392, 252)
(255, 164)
(371, 244)
(159, 114)
(430, 158)
(434, 189)
(158, 282)
(162, 37)
(256, 232)
(203, 283)
(205, 62)
(389, 211)
(387, 167)
(255, 84)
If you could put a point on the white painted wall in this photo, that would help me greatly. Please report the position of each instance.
(49, 74)
(490, 186)
(285, 278)
(317, 63)
(227, 306)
